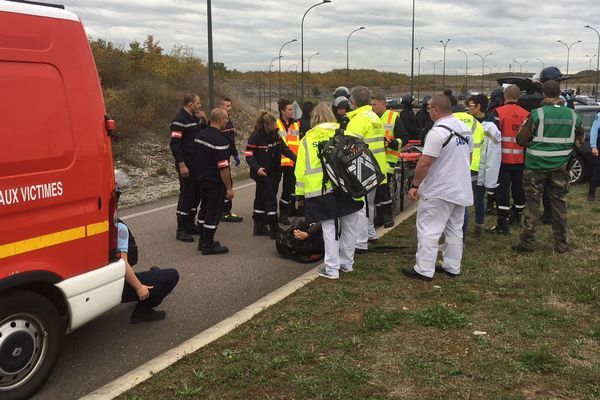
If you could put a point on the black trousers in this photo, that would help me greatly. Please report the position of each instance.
(510, 179)
(265, 198)
(211, 207)
(189, 196)
(383, 196)
(595, 176)
(162, 280)
(287, 199)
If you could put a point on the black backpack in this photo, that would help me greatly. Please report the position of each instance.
(132, 250)
(349, 164)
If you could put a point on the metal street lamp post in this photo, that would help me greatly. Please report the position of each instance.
(412, 53)
(348, 56)
(597, 60)
(444, 63)
(434, 64)
(520, 64)
(211, 77)
(590, 59)
(309, 66)
(286, 43)
(466, 69)
(270, 90)
(542, 61)
(298, 63)
(419, 50)
(302, 45)
(568, 46)
(483, 66)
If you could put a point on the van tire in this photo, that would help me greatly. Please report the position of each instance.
(24, 317)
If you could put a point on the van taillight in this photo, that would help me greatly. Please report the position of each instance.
(112, 231)
(110, 124)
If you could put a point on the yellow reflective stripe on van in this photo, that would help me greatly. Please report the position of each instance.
(52, 239)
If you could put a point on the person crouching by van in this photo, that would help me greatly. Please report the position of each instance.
(149, 288)
(263, 156)
(337, 213)
(212, 156)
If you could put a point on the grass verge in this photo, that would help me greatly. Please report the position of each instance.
(511, 327)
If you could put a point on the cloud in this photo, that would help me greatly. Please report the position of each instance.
(248, 34)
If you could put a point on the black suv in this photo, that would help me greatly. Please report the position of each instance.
(580, 165)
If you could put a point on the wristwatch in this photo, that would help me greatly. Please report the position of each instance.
(413, 186)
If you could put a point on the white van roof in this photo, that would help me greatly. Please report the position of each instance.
(32, 9)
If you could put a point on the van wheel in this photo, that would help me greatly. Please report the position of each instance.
(31, 334)
(576, 169)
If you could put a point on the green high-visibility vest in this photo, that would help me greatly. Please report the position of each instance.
(554, 137)
(309, 170)
(366, 125)
(478, 134)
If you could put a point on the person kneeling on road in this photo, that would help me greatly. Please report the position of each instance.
(338, 213)
(148, 287)
(214, 179)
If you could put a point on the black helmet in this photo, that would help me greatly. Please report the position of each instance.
(550, 74)
(496, 98)
(425, 100)
(407, 99)
(341, 91)
(341, 102)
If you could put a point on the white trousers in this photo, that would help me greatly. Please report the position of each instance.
(340, 252)
(434, 218)
(366, 228)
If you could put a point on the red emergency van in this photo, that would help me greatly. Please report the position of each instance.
(57, 198)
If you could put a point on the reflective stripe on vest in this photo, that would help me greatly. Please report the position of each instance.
(389, 121)
(291, 137)
(510, 120)
(554, 138)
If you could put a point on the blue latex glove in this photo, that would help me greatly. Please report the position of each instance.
(237, 161)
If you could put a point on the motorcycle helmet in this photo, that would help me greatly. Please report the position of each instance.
(341, 102)
(341, 91)
(549, 74)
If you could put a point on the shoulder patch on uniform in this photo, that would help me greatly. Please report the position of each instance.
(123, 234)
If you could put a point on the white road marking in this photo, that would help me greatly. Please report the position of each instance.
(145, 371)
(139, 214)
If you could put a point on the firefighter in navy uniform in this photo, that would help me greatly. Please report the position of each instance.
(212, 155)
(184, 127)
(263, 155)
(289, 130)
(229, 132)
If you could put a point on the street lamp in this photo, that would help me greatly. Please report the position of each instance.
(286, 43)
(309, 63)
(434, 64)
(483, 66)
(542, 61)
(597, 60)
(520, 64)
(590, 59)
(298, 63)
(466, 69)
(419, 50)
(211, 77)
(568, 46)
(270, 72)
(302, 44)
(348, 56)
(444, 64)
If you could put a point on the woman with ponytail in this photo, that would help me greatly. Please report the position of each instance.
(263, 155)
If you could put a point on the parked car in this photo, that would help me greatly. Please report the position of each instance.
(531, 96)
(393, 104)
(580, 165)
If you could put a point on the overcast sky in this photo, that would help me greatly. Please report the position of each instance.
(248, 34)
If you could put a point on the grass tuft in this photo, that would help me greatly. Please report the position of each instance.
(439, 316)
(376, 319)
(540, 360)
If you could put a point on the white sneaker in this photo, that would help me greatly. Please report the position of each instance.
(346, 269)
(323, 273)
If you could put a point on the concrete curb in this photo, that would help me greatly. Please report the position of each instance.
(145, 371)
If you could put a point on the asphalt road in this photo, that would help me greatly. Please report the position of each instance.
(210, 289)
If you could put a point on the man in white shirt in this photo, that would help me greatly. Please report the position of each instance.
(442, 183)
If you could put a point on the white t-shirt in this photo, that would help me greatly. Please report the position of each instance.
(449, 177)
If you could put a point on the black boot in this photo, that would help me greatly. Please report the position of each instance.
(260, 228)
(388, 218)
(181, 229)
(210, 246)
(592, 194)
(274, 228)
(516, 214)
(378, 220)
(283, 216)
